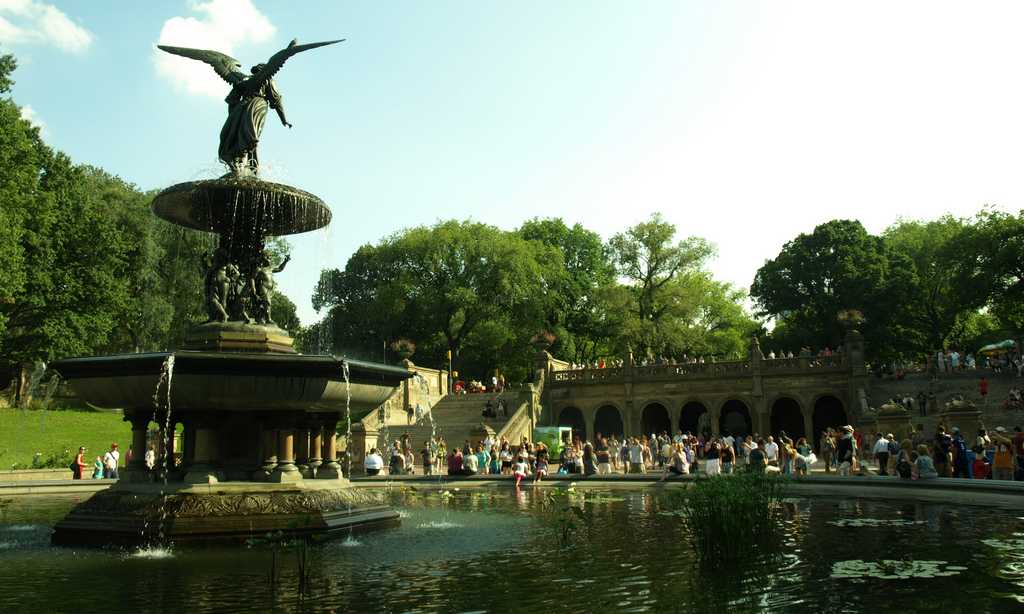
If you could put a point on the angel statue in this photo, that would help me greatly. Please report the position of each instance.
(248, 101)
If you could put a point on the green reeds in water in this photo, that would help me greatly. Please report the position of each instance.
(727, 515)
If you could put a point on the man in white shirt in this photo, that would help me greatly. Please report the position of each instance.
(771, 451)
(881, 451)
(373, 463)
(110, 461)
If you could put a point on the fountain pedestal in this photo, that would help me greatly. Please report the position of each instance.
(231, 512)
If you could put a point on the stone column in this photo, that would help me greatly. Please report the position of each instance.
(316, 443)
(205, 467)
(330, 469)
(812, 437)
(268, 452)
(362, 441)
(286, 471)
(136, 470)
(588, 420)
(302, 451)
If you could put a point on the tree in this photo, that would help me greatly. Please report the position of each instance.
(936, 302)
(993, 260)
(837, 267)
(454, 287)
(574, 311)
(653, 266)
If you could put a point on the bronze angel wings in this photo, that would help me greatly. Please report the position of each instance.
(228, 68)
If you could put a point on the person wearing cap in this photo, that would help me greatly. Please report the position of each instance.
(110, 462)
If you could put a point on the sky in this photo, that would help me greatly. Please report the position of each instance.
(742, 122)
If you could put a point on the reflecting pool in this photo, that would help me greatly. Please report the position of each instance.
(492, 550)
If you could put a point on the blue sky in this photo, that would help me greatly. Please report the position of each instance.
(743, 122)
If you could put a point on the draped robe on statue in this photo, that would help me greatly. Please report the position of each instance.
(246, 116)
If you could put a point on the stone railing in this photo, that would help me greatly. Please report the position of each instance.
(836, 362)
(517, 426)
(723, 369)
(587, 375)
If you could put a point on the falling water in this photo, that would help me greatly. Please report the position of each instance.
(348, 437)
(348, 419)
(166, 376)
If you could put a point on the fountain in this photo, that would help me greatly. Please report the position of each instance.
(259, 419)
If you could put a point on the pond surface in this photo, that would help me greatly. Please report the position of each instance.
(491, 550)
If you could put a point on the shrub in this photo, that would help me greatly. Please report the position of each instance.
(726, 515)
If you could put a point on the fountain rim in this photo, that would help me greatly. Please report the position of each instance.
(188, 362)
(175, 203)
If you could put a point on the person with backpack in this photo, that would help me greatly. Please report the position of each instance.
(905, 460)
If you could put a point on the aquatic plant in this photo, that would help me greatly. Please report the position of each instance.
(874, 522)
(565, 510)
(727, 515)
(894, 569)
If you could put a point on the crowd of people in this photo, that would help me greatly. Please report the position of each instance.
(845, 451)
(997, 454)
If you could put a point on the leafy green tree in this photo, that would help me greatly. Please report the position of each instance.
(657, 270)
(449, 287)
(937, 303)
(994, 260)
(838, 267)
(574, 311)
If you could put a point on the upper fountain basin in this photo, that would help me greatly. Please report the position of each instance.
(221, 381)
(235, 203)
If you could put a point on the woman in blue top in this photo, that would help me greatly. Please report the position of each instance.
(97, 468)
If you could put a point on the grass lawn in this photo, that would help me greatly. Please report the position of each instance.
(23, 432)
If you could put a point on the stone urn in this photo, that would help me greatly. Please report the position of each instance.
(961, 413)
(893, 418)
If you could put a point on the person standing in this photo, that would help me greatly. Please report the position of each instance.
(983, 390)
(1002, 460)
(110, 463)
(881, 451)
(78, 466)
(771, 450)
(828, 449)
(150, 458)
(960, 462)
(942, 452)
(844, 451)
(636, 457)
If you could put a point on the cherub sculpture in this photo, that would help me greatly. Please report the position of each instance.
(248, 101)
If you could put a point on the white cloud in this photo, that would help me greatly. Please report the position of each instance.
(222, 25)
(29, 114)
(31, 22)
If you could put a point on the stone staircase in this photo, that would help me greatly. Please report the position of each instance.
(945, 387)
(455, 417)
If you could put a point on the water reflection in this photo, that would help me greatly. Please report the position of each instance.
(498, 550)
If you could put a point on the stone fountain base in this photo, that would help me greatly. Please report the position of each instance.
(129, 515)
